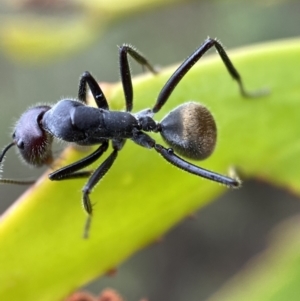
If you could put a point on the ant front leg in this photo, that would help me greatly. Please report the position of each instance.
(72, 171)
(100, 99)
(125, 71)
(190, 62)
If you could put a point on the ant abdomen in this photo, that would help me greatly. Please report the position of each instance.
(33, 142)
(190, 130)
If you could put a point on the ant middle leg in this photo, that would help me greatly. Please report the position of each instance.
(190, 62)
(96, 176)
(125, 74)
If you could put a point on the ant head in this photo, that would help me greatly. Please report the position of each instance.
(33, 142)
(190, 130)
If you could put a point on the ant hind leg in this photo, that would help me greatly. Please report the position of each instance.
(171, 157)
(181, 71)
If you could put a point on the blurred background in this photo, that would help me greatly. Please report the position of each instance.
(46, 45)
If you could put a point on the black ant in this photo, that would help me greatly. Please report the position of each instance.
(189, 129)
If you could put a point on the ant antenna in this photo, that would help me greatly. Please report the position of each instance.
(12, 181)
(5, 150)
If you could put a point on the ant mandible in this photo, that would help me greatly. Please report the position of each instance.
(189, 129)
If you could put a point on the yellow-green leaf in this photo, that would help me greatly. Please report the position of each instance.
(42, 253)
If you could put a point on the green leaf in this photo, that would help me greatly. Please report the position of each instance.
(42, 253)
(272, 276)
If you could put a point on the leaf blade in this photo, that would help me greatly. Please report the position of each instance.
(138, 201)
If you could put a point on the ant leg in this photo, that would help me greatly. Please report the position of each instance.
(87, 78)
(70, 171)
(190, 62)
(124, 50)
(97, 175)
(171, 157)
(93, 180)
(144, 140)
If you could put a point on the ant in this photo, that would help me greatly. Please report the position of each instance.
(190, 129)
